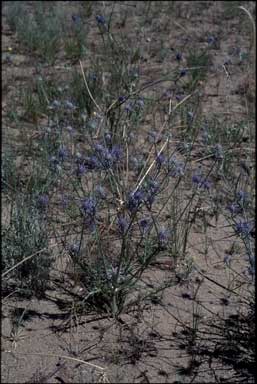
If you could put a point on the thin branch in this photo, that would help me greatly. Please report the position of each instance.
(90, 94)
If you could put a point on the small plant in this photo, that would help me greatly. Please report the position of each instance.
(24, 236)
(31, 105)
(199, 63)
(43, 31)
(9, 178)
(75, 46)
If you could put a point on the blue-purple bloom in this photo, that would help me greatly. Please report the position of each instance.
(160, 159)
(134, 73)
(206, 185)
(92, 77)
(211, 40)
(99, 148)
(43, 201)
(183, 72)
(243, 228)
(92, 124)
(116, 153)
(100, 20)
(152, 186)
(140, 102)
(54, 163)
(227, 260)
(155, 137)
(178, 56)
(144, 225)
(55, 104)
(151, 189)
(76, 19)
(81, 169)
(100, 192)
(106, 157)
(234, 208)
(178, 171)
(112, 272)
(92, 162)
(129, 107)
(108, 138)
(121, 99)
(137, 163)
(205, 137)
(89, 207)
(65, 201)
(196, 179)
(163, 237)
(70, 130)
(190, 116)
(242, 197)
(74, 249)
(176, 168)
(69, 105)
(135, 199)
(179, 96)
(122, 224)
(62, 153)
(201, 182)
(218, 152)
(168, 94)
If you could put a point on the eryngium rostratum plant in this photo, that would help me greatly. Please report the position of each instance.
(123, 213)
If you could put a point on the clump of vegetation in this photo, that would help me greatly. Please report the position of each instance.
(122, 171)
(24, 236)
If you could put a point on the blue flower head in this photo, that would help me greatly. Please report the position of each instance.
(218, 152)
(122, 224)
(65, 201)
(242, 197)
(92, 77)
(55, 104)
(116, 153)
(140, 102)
(179, 96)
(62, 153)
(211, 40)
(163, 237)
(196, 179)
(160, 159)
(89, 207)
(54, 163)
(201, 182)
(43, 201)
(176, 167)
(69, 105)
(178, 56)
(76, 19)
(190, 116)
(81, 169)
(135, 199)
(183, 72)
(121, 99)
(234, 208)
(243, 228)
(100, 20)
(144, 225)
(206, 185)
(108, 138)
(155, 137)
(91, 162)
(74, 249)
(129, 107)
